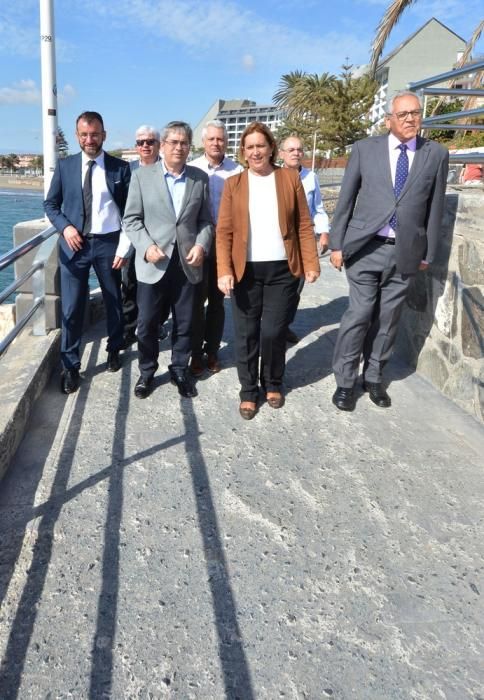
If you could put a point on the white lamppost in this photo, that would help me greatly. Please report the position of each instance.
(49, 90)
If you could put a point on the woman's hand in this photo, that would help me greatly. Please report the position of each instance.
(311, 276)
(226, 284)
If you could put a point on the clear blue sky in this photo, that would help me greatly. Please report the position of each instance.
(149, 61)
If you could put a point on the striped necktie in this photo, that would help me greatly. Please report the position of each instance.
(401, 174)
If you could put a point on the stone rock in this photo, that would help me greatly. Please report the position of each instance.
(433, 366)
(472, 323)
(446, 307)
(471, 263)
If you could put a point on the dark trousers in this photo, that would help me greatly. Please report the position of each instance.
(369, 326)
(97, 252)
(208, 323)
(261, 304)
(175, 290)
(300, 287)
(129, 294)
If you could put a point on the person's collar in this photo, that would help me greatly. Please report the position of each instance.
(214, 167)
(168, 172)
(99, 160)
(395, 142)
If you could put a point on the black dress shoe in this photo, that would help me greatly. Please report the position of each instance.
(291, 337)
(143, 388)
(344, 399)
(377, 394)
(184, 384)
(70, 380)
(113, 363)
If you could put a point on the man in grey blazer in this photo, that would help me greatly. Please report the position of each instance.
(387, 225)
(168, 220)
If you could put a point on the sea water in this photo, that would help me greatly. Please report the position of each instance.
(16, 206)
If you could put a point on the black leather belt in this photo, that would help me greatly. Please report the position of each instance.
(385, 239)
(100, 235)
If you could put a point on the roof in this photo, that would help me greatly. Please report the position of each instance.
(411, 37)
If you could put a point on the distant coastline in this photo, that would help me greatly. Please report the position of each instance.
(21, 182)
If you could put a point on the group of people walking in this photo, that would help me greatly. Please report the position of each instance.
(214, 228)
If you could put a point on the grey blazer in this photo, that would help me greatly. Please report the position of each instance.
(149, 218)
(367, 202)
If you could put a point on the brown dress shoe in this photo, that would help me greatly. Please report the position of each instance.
(247, 409)
(196, 366)
(275, 399)
(213, 365)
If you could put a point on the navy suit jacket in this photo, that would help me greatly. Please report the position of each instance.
(64, 204)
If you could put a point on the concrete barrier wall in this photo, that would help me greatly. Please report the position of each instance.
(442, 328)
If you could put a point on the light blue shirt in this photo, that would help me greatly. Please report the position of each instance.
(176, 187)
(312, 191)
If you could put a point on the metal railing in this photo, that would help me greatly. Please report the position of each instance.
(441, 121)
(47, 242)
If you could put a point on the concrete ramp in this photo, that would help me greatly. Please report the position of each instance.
(166, 548)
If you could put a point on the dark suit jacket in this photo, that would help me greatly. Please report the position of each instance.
(367, 202)
(294, 220)
(64, 203)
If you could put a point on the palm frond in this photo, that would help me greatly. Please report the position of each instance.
(387, 23)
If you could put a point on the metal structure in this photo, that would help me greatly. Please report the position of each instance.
(49, 90)
(441, 121)
(46, 242)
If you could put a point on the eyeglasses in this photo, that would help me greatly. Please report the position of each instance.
(173, 143)
(414, 113)
(148, 142)
(293, 150)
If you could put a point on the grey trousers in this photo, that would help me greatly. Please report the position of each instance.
(369, 326)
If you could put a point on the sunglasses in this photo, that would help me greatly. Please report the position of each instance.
(148, 142)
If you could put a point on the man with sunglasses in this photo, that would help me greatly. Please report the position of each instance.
(85, 203)
(147, 141)
(168, 220)
(387, 226)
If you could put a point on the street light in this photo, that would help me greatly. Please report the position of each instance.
(49, 90)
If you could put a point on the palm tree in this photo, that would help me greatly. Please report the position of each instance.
(301, 93)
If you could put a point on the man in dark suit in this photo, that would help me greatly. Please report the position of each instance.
(168, 221)
(387, 225)
(85, 203)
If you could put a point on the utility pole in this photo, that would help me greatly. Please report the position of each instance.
(49, 90)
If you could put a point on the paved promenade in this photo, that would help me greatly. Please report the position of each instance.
(168, 549)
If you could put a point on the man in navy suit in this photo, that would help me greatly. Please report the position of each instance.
(85, 203)
(387, 225)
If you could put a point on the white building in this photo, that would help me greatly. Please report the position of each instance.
(236, 115)
(432, 49)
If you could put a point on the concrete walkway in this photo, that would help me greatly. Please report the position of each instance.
(167, 549)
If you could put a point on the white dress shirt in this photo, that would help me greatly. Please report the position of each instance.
(105, 213)
(217, 174)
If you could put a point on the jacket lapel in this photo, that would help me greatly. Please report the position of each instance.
(189, 183)
(162, 189)
(383, 156)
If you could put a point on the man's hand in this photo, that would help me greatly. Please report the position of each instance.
(323, 243)
(195, 256)
(119, 262)
(73, 238)
(226, 284)
(154, 254)
(311, 276)
(336, 259)
(423, 265)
